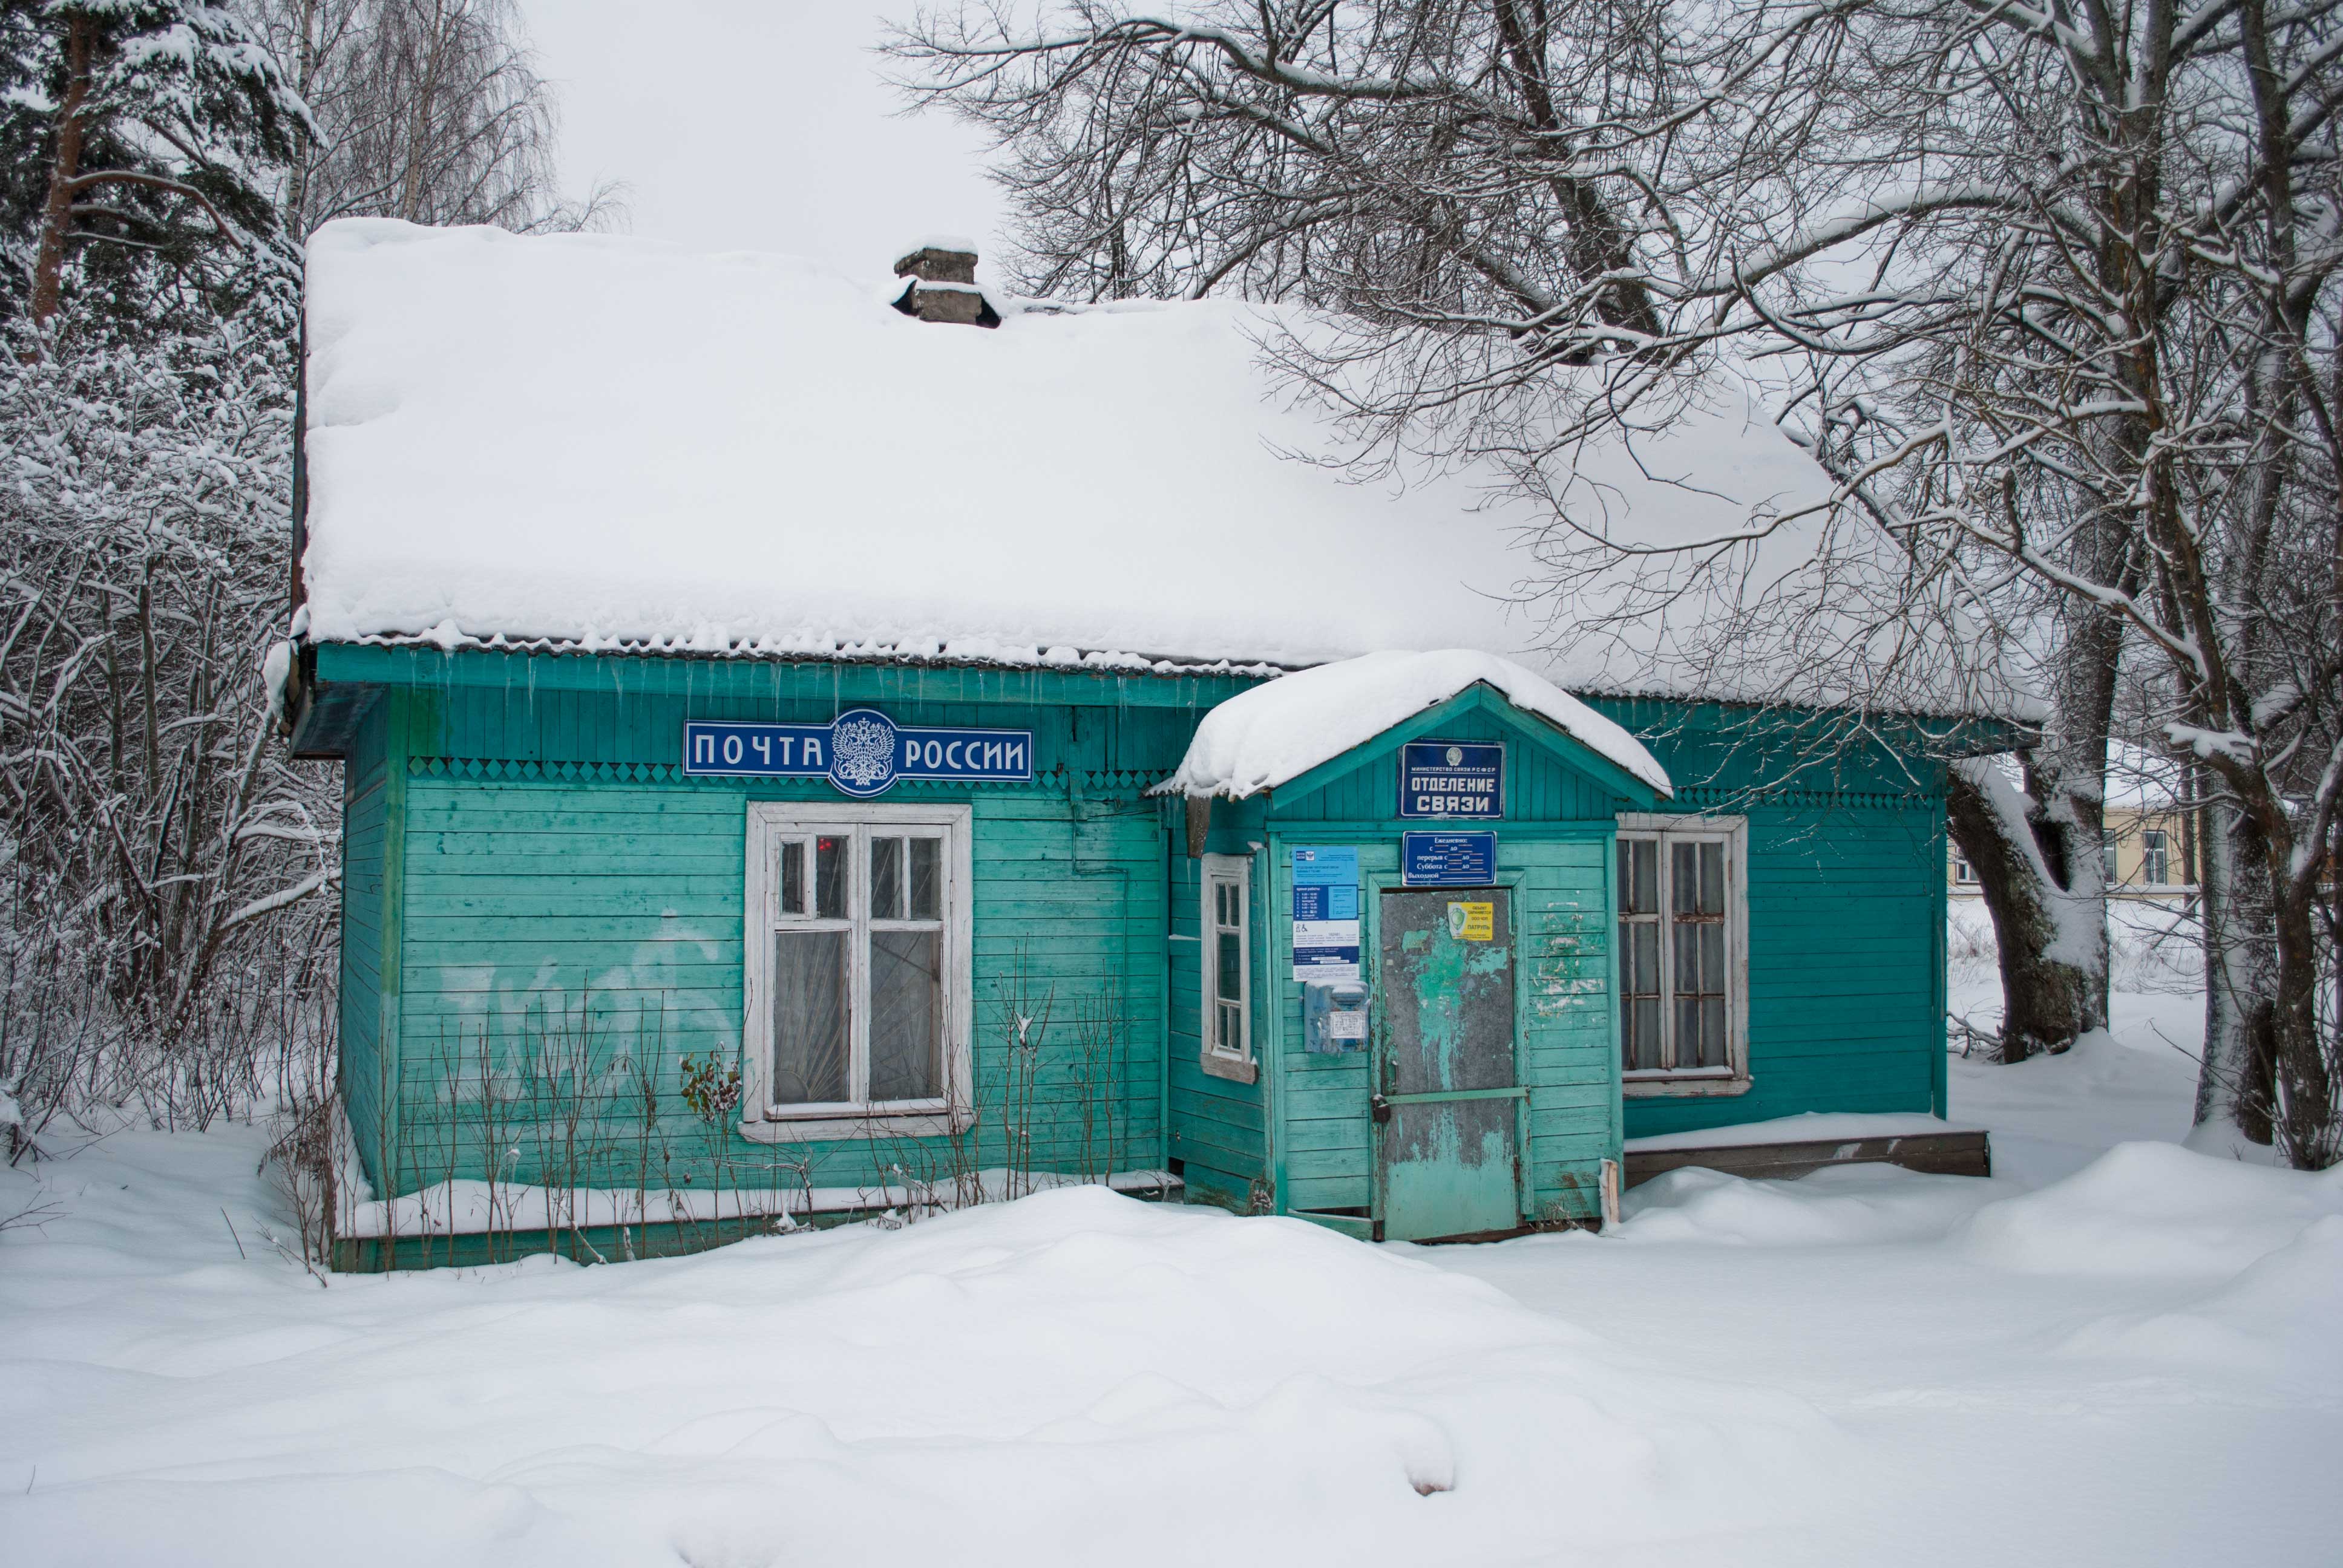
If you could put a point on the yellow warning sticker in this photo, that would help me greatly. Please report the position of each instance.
(1473, 922)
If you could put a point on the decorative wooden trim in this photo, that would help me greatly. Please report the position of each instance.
(1105, 783)
(1741, 800)
(837, 674)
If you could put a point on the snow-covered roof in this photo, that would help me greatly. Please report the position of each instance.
(610, 444)
(1261, 738)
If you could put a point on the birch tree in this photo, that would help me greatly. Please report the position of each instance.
(2050, 292)
(427, 110)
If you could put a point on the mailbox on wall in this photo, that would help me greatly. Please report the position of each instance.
(1334, 1017)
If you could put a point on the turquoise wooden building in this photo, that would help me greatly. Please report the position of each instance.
(787, 749)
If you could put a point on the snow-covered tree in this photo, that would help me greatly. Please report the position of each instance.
(427, 110)
(144, 148)
(2053, 292)
(161, 850)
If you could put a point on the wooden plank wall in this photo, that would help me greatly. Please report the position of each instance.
(1215, 1122)
(364, 788)
(1539, 787)
(551, 848)
(1845, 912)
(1554, 837)
(570, 898)
(1325, 1138)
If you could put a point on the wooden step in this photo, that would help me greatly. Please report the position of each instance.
(1948, 1153)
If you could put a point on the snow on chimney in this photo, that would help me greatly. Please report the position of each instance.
(943, 284)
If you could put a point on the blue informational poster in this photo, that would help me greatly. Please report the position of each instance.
(1448, 859)
(1451, 779)
(1326, 914)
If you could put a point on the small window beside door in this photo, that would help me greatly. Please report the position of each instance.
(1225, 924)
(858, 988)
(1683, 945)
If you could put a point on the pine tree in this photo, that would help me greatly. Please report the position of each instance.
(142, 146)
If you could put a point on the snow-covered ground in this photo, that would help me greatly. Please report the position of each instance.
(2095, 1358)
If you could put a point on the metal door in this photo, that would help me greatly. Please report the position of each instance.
(1450, 1090)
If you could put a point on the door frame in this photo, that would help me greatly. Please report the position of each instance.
(1371, 947)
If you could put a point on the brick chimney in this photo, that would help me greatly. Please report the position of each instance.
(944, 285)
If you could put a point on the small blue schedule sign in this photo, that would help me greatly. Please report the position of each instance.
(1448, 859)
(1451, 779)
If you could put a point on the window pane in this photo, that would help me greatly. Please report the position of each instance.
(886, 878)
(1712, 957)
(1687, 957)
(1644, 959)
(830, 856)
(1639, 985)
(1639, 876)
(1711, 879)
(927, 878)
(906, 1015)
(1641, 1034)
(793, 878)
(1683, 877)
(1232, 967)
(808, 1016)
(1227, 1023)
(1712, 1033)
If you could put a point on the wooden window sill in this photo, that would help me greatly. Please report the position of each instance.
(1677, 1087)
(1235, 1071)
(846, 1128)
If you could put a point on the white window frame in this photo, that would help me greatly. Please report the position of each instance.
(1733, 1077)
(773, 823)
(2155, 844)
(1225, 871)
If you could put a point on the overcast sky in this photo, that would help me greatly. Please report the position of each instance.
(756, 125)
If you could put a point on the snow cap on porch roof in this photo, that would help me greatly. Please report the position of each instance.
(1273, 734)
(597, 444)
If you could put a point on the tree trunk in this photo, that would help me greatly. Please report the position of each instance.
(2052, 934)
(2236, 1083)
(65, 166)
(2306, 1125)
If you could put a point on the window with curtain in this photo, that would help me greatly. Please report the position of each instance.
(1683, 949)
(857, 969)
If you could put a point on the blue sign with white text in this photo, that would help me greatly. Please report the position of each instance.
(1451, 779)
(1448, 859)
(863, 752)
